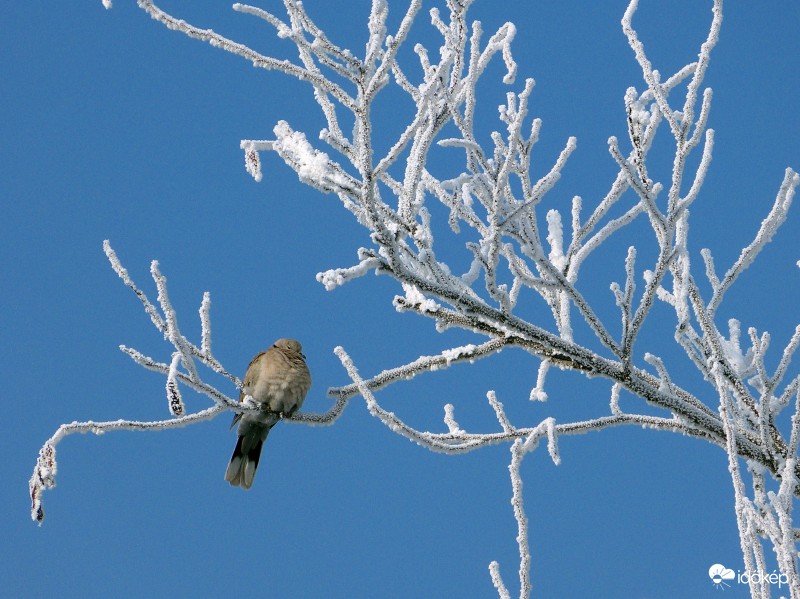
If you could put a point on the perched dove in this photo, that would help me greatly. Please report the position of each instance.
(278, 379)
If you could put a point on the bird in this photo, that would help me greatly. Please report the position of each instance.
(278, 380)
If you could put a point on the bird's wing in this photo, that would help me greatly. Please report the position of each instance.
(250, 374)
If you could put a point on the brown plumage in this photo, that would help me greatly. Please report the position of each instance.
(278, 379)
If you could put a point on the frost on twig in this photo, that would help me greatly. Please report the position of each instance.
(519, 251)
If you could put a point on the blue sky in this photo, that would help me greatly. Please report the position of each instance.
(116, 128)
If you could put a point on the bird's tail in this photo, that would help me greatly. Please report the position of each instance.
(244, 461)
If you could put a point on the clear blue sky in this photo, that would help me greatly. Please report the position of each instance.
(115, 128)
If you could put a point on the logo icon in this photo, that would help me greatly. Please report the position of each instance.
(719, 574)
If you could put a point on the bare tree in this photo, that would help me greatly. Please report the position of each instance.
(517, 254)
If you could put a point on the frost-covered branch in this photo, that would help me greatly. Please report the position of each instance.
(457, 440)
(769, 226)
(44, 473)
(182, 370)
(519, 258)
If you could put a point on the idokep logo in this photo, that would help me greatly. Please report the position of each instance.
(719, 574)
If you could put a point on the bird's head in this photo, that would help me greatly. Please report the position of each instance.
(289, 344)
